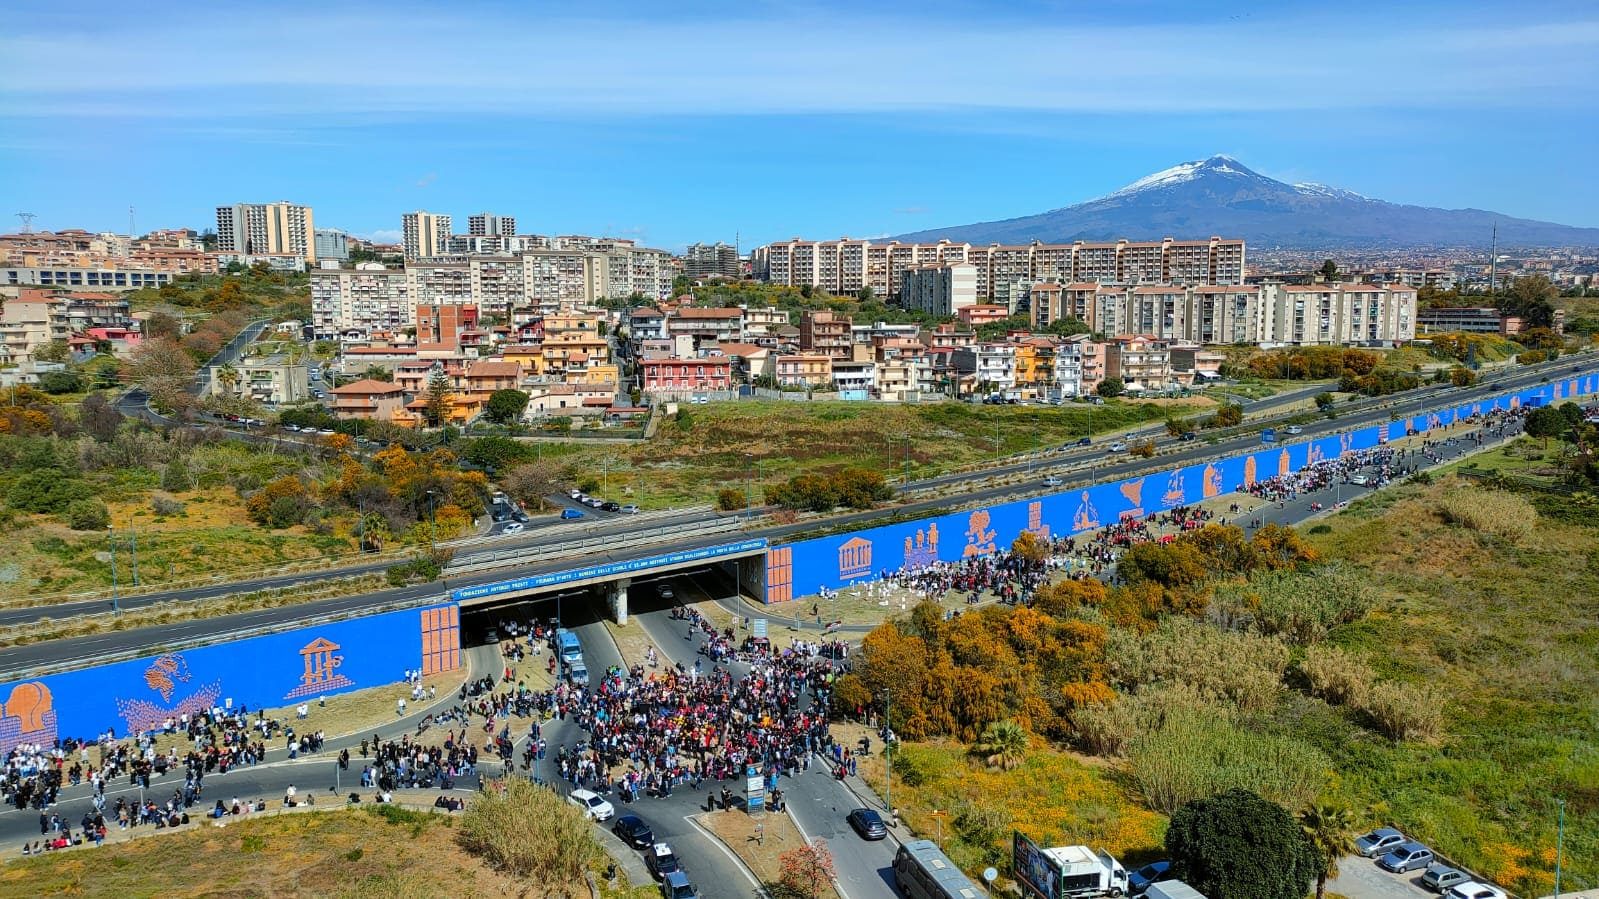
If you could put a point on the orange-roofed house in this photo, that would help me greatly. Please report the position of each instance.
(368, 398)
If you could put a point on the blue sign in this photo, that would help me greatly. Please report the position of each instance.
(556, 578)
(1269, 435)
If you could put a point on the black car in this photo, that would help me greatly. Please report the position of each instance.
(632, 830)
(661, 861)
(868, 824)
(611, 506)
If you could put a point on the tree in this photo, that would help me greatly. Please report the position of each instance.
(54, 351)
(436, 398)
(1003, 744)
(161, 326)
(530, 482)
(1328, 270)
(730, 499)
(377, 373)
(87, 515)
(530, 832)
(1229, 415)
(505, 406)
(807, 869)
(1331, 831)
(57, 382)
(1238, 844)
(1531, 298)
(1461, 376)
(227, 376)
(1029, 548)
(99, 417)
(1111, 387)
(1325, 401)
(1545, 422)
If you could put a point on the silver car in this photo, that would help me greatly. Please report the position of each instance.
(1439, 877)
(1378, 842)
(1407, 856)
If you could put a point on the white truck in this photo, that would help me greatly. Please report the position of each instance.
(1085, 873)
(1172, 889)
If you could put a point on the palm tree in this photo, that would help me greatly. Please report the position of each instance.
(1003, 744)
(228, 376)
(1331, 831)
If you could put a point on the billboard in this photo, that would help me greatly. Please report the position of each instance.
(837, 561)
(1033, 869)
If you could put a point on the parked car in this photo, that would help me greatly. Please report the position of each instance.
(594, 502)
(1378, 842)
(1053, 481)
(632, 830)
(630, 509)
(868, 823)
(661, 861)
(1139, 881)
(574, 493)
(1188, 436)
(569, 513)
(676, 886)
(514, 527)
(592, 804)
(1407, 856)
(1474, 889)
(1084, 441)
(1439, 877)
(612, 507)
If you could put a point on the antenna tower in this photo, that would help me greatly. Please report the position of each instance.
(27, 221)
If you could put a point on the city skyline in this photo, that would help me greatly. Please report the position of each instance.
(700, 127)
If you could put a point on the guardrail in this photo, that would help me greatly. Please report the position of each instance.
(569, 549)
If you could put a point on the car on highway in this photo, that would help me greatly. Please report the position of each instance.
(1154, 872)
(868, 823)
(1084, 441)
(1407, 856)
(592, 804)
(661, 861)
(1294, 429)
(520, 517)
(665, 591)
(1378, 842)
(1440, 877)
(578, 673)
(1475, 889)
(629, 509)
(568, 514)
(676, 886)
(1053, 481)
(514, 527)
(1118, 447)
(1188, 436)
(632, 830)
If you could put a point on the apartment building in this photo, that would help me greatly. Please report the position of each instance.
(487, 224)
(425, 234)
(38, 317)
(107, 276)
(825, 333)
(845, 266)
(989, 367)
(263, 229)
(360, 302)
(331, 244)
(813, 370)
(276, 380)
(368, 398)
(1142, 363)
(669, 374)
(939, 288)
(439, 326)
(707, 325)
(702, 260)
(762, 321)
(1367, 314)
(644, 323)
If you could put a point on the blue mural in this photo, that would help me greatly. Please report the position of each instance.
(837, 561)
(259, 672)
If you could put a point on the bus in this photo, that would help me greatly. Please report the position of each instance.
(922, 871)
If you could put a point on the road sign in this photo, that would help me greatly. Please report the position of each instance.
(754, 789)
(759, 627)
(1269, 435)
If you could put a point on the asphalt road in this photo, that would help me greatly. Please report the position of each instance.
(1087, 464)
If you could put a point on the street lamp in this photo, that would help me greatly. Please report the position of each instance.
(433, 523)
(116, 601)
(1560, 842)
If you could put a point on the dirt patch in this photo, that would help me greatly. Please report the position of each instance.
(760, 842)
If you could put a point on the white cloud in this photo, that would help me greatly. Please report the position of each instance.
(341, 65)
(385, 235)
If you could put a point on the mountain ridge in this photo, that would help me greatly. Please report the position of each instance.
(1221, 196)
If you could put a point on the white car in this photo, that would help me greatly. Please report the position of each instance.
(514, 527)
(1053, 481)
(1359, 480)
(1295, 429)
(1476, 890)
(599, 810)
(1118, 447)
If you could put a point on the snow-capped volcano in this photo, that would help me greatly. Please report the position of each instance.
(1221, 196)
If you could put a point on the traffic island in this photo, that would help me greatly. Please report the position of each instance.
(760, 842)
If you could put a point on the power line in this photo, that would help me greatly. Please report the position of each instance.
(27, 221)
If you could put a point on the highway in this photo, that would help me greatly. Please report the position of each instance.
(1089, 464)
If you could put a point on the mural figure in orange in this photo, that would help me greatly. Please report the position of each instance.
(27, 716)
(1212, 485)
(1035, 520)
(979, 536)
(1134, 492)
(1249, 471)
(924, 551)
(321, 669)
(1086, 518)
(1283, 468)
(163, 677)
(1175, 490)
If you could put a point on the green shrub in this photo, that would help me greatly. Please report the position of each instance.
(46, 491)
(87, 515)
(1301, 606)
(531, 832)
(1225, 666)
(1405, 711)
(1195, 755)
(1336, 676)
(730, 499)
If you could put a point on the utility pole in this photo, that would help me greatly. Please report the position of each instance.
(1493, 264)
(116, 601)
(433, 524)
(133, 534)
(888, 757)
(1560, 842)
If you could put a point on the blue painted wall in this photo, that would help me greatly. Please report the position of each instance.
(259, 672)
(842, 559)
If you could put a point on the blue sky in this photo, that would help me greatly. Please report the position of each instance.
(771, 120)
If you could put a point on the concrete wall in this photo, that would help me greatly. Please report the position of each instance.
(260, 672)
(800, 569)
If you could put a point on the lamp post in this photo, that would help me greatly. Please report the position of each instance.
(433, 523)
(1560, 841)
(133, 535)
(111, 539)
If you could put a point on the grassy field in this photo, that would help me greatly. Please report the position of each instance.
(347, 853)
(1506, 627)
(750, 443)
